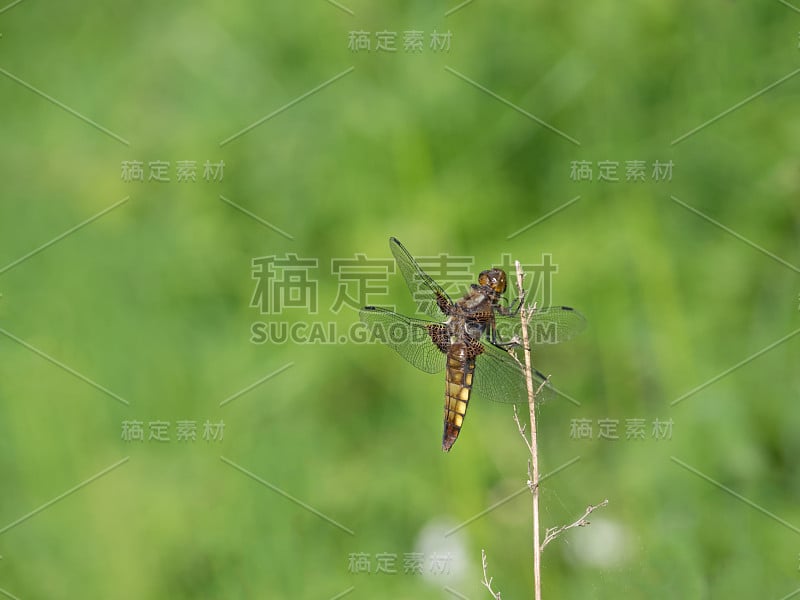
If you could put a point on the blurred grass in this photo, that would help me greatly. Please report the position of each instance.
(152, 300)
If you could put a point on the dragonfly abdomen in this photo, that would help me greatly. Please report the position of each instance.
(458, 386)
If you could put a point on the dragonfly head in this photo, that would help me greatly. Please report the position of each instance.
(494, 278)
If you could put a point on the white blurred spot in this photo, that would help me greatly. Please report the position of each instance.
(446, 559)
(601, 544)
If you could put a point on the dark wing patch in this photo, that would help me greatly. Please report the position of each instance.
(416, 340)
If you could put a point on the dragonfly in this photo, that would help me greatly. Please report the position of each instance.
(471, 339)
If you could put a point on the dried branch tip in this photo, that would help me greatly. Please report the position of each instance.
(487, 581)
(554, 532)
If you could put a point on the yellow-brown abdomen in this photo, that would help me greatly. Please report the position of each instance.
(458, 385)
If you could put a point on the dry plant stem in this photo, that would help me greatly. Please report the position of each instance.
(487, 581)
(581, 522)
(534, 463)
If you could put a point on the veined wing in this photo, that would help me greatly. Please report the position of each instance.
(548, 325)
(425, 291)
(413, 339)
(500, 378)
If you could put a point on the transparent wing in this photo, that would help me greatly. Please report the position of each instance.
(413, 339)
(548, 325)
(500, 378)
(425, 290)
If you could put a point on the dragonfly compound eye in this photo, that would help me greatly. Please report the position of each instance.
(494, 278)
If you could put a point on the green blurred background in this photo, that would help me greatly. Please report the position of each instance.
(152, 300)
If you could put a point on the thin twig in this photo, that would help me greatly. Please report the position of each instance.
(533, 469)
(554, 532)
(525, 315)
(487, 581)
(521, 429)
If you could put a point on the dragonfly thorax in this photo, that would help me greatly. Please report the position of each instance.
(461, 327)
(474, 329)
